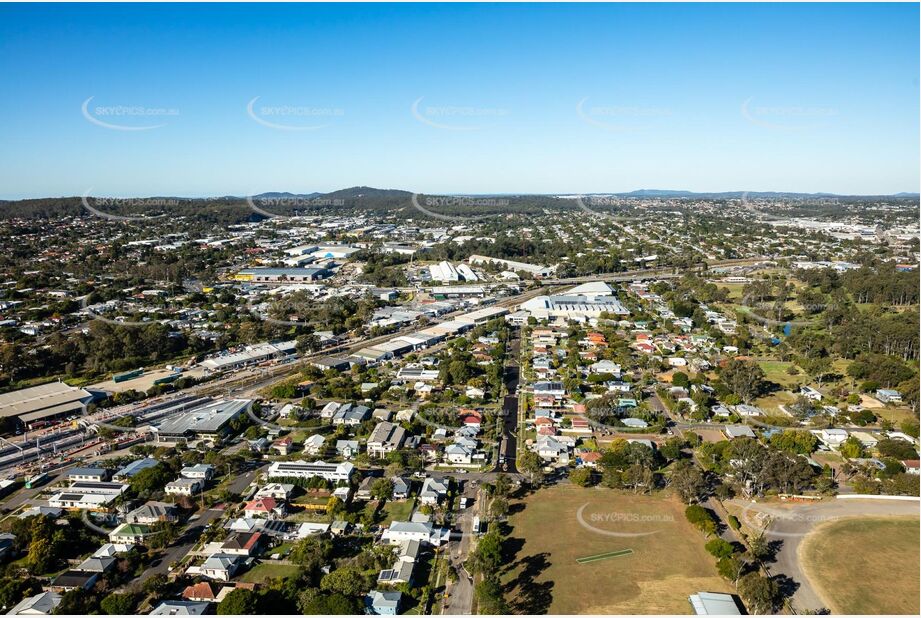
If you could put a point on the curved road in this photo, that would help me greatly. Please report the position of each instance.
(792, 522)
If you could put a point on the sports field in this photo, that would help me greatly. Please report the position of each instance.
(568, 561)
(865, 565)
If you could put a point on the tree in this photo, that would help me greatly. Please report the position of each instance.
(498, 508)
(382, 489)
(239, 601)
(761, 594)
(529, 462)
(74, 602)
(490, 597)
(312, 552)
(503, 485)
(851, 448)
(348, 580)
(795, 442)
(689, 481)
(42, 557)
(719, 548)
(116, 604)
(701, 518)
(581, 477)
(744, 378)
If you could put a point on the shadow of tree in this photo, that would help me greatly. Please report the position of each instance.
(528, 596)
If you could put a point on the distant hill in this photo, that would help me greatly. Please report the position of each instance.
(398, 202)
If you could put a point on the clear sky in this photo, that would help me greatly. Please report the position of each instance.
(514, 98)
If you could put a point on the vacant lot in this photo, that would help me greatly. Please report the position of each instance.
(864, 565)
(561, 524)
(261, 572)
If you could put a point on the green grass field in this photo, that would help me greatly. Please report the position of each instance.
(398, 510)
(865, 565)
(560, 525)
(261, 572)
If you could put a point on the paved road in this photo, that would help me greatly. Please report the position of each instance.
(460, 601)
(509, 445)
(792, 522)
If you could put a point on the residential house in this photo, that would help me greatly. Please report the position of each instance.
(401, 488)
(283, 446)
(203, 472)
(92, 474)
(738, 431)
(185, 487)
(179, 608)
(41, 604)
(313, 445)
(383, 603)
(423, 532)
(220, 566)
(73, 580)
(152, 513)
(888, 395)
(386, 438)
(266, 508)
(347, 448)
(277, 491)
(433, 491)
(243, 544)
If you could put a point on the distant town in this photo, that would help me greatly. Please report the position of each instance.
(343, 404)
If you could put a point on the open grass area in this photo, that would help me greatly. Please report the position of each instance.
(865, 565)
(776, 371)
(397, 510)
(555, 527)
(261, 572)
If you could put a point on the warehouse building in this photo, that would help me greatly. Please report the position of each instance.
(281, 275)
(46, 402)
(535, 270)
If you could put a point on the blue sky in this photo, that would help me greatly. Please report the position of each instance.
(514, 98)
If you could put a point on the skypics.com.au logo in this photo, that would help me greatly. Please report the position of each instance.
(292, 117)
(126, 117)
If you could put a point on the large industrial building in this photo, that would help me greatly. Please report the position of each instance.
(207, 422)
(42, 403)
(250, 355)
(586, 301)
(535, 270)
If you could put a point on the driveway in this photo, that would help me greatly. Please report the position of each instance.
(791, 522)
